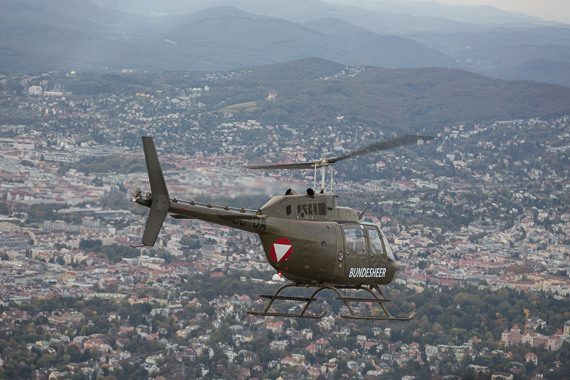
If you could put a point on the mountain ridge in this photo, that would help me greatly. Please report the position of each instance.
(91, 36)
(213, 39)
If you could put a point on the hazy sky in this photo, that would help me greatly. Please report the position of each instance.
(556, 10)
(552, 10)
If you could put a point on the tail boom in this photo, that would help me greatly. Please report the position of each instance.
(160, 205)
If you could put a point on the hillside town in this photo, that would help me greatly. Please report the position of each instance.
(484, 206)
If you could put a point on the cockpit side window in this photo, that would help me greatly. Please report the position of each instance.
(355, 242)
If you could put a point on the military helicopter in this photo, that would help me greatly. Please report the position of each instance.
(308, 238)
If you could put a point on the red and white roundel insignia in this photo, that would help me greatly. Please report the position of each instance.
(281, 250)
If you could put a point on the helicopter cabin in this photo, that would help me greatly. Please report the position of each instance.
(310, 206)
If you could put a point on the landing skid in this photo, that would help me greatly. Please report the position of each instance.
(377, 297)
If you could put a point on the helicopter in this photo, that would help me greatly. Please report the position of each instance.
(307, 238)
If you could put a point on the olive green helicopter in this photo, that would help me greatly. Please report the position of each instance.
(307, 238)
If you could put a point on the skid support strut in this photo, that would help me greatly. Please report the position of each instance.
(377, 297)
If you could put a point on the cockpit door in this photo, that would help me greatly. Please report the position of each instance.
(376, 252)
(355, 249)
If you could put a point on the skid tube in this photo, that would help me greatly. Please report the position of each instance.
(374, 290)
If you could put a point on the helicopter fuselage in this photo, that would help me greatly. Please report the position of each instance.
(307, 239)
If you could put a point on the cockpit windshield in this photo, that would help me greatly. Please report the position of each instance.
(378, 243)
(375, 241)
(387, 247)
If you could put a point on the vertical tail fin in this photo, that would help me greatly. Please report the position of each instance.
(160, 199)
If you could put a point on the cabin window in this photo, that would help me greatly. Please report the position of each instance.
(288, 210)
(311, 209)
(355, 241)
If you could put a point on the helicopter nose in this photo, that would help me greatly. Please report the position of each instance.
(395, 267)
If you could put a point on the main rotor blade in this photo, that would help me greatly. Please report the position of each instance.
(382, 145)
(297, 165)
(376, 147)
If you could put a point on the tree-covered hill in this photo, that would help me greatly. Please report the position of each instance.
(316, 92)
(405, 100)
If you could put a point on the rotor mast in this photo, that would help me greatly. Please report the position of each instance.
(322, 164)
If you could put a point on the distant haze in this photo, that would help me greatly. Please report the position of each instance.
(217, 35)
(552, 10)
(555, 10)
